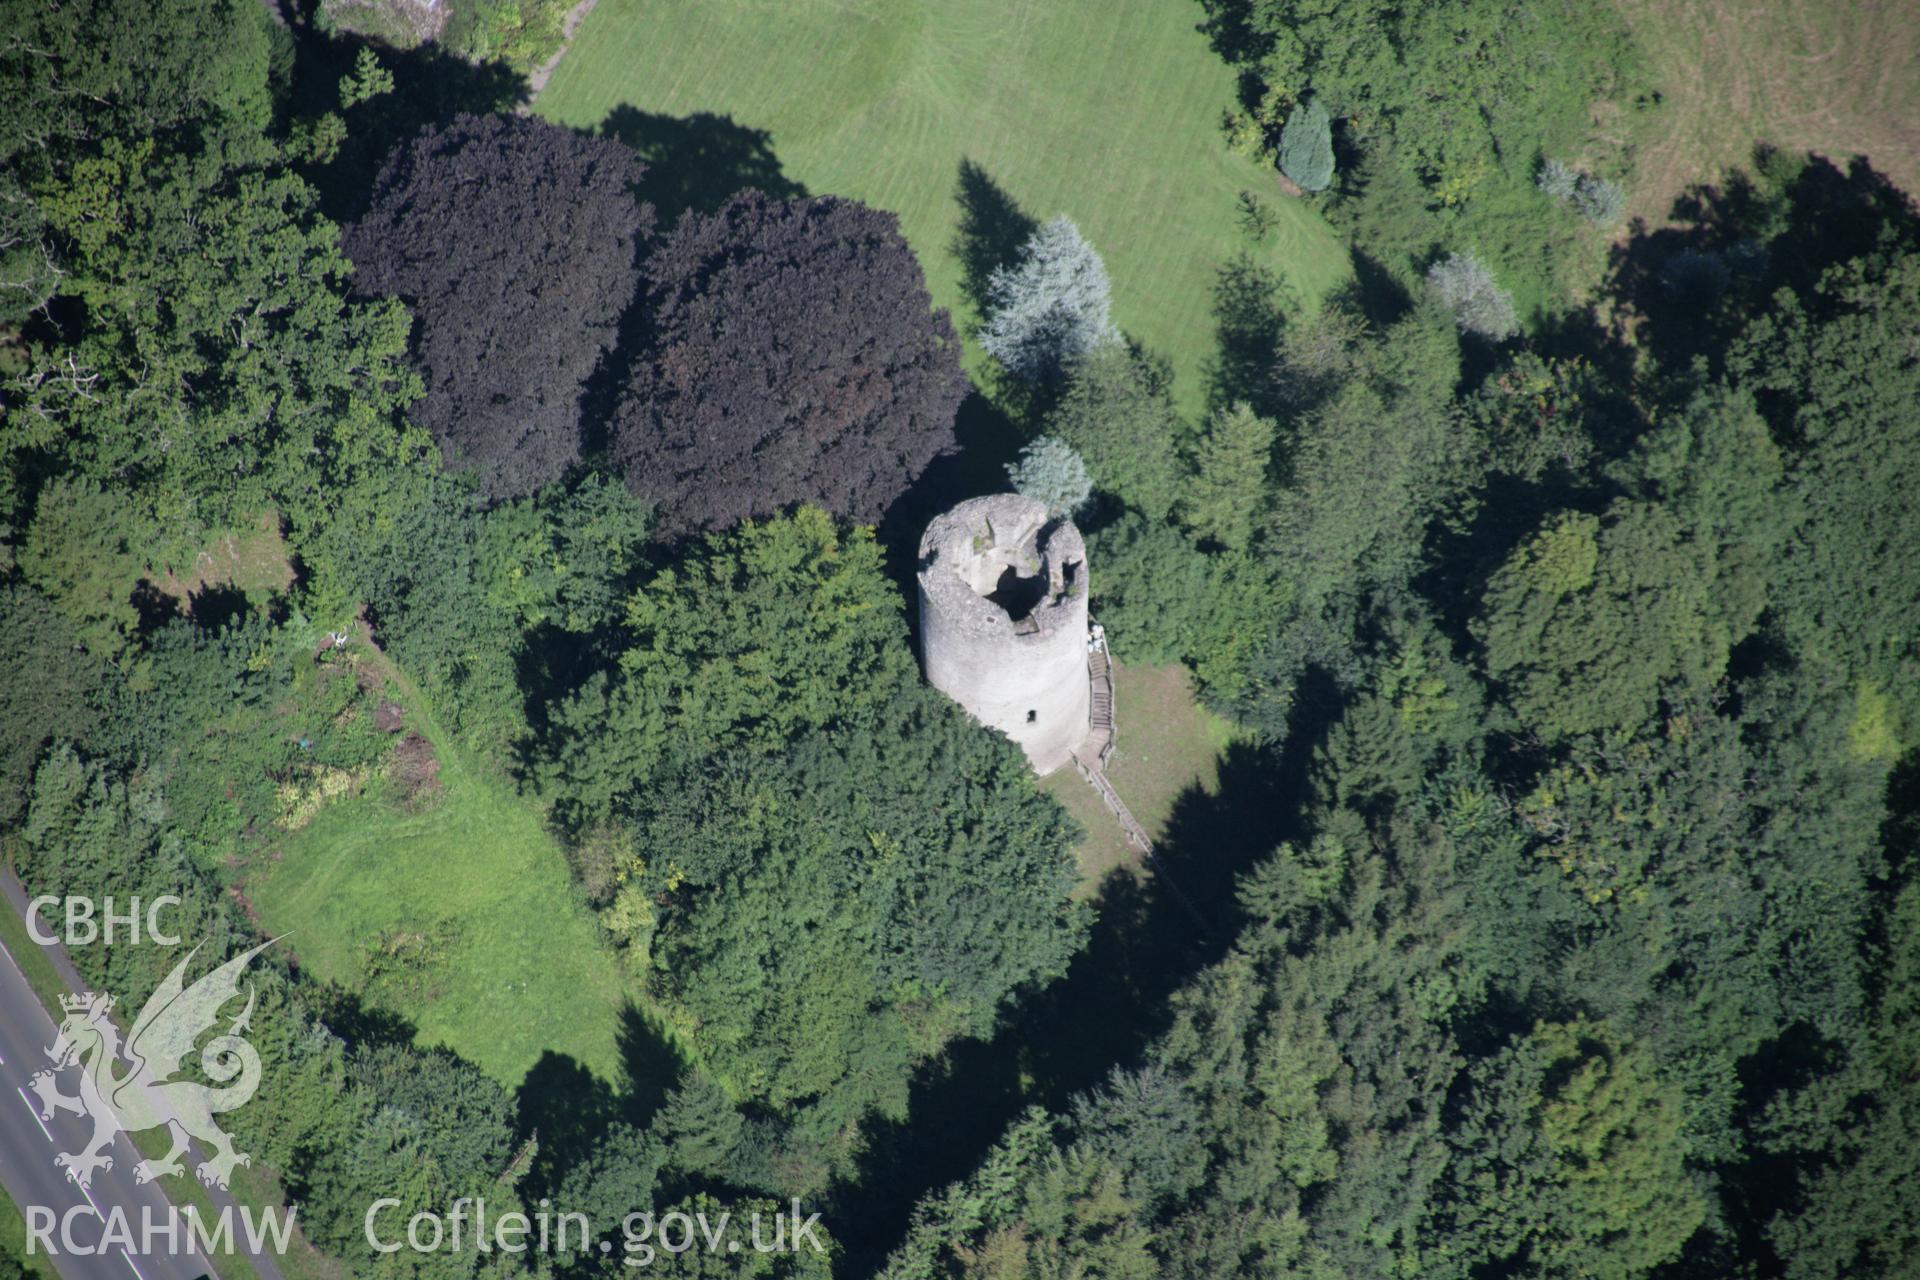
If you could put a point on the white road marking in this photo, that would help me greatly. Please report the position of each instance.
(33, 1111)
(129, 1258)
(88, 1194)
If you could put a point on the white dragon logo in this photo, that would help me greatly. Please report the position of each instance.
(145, 1096)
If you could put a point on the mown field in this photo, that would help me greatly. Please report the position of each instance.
(1832, 78)
(1105, 110)
(461, 918)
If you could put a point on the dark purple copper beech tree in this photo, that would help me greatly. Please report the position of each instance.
(795, 355)
(514, 243)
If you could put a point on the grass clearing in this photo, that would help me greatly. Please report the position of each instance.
(1167, 742)
(1105, 110)
(253, 560)
(463, 919)
(1836, 79)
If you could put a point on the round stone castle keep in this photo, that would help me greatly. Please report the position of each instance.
(1003, 621)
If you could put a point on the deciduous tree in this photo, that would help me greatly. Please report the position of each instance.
(514, 242)
(48, 683)
(221, 370)
(795, 356)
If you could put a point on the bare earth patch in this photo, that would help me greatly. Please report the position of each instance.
(415, 771)
(1835, 79)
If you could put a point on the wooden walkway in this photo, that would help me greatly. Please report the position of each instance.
(1092, 755)
(1099, 743)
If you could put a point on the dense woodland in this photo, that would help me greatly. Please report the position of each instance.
(1557, 915)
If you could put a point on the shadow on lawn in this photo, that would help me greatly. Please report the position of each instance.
(569, 1107)
(1250, 307)
(697, 161)
(992, 229)
(1688, 290)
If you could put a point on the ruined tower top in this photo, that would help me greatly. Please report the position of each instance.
(1003, 621)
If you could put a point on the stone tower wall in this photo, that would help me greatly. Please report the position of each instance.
(1003, 621)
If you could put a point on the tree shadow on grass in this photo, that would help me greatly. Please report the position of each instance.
(355, 1021)
(992, 230)
(1230, 31)
(569, 1107)
(650, 1063)
(1688, 290)
(218, 605)
(697, 161)
(1250, 306)
(566, 1108)
(153, 607)
(1377, 295)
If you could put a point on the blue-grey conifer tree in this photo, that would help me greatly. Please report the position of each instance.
(1306, 147)
(1051, 472)
(1051, 308)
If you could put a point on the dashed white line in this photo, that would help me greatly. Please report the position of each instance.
(35, 1113)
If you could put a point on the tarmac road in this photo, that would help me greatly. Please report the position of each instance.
(28, 1145)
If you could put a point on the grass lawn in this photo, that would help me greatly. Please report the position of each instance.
(1105, 110)
(251, 559)
(1167, 742)
(462, 918)
(1832, 78)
